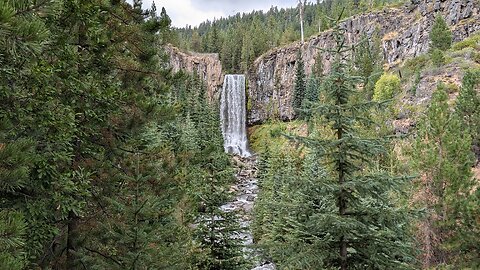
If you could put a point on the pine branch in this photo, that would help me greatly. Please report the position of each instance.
(32, 8)
(105, 256)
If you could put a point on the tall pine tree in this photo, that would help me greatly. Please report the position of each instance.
(300, 85)
(444, 158)
(360, 222)
(468, 106)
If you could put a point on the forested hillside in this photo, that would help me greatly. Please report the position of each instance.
(368, 154)
(241, 38)
(364, 146)
(106, 158)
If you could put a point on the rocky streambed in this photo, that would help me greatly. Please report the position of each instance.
(246, 191)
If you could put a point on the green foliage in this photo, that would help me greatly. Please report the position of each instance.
(218, 231)
(318, 69)
(12, 240)
(417, 63)
(97, 155)
(300, 85)
(368, 61)
(214, 40)
(340, 207)
(248, 53)
(476, 57)
(472, 41)
(440, 35)
(312, 92)
(386, 87)
(313, 84)
(438, 58)
(245, 36)
(215, 242)
(443, 157)
(279, 206)
(266, 137)
(468, 104)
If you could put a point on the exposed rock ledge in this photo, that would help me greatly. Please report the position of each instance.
(206, 65)
(404, 33)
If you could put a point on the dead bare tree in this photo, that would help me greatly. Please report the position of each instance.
(301, 8)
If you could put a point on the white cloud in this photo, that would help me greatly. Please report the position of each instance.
(193, 12)
(182, 12)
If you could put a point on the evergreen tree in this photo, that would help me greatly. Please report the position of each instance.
(360, 224)
(164, 22)
(274, 27)
(440, 35)
(94, 64)
(12, 240)
(468, 104)
(312, 94)
(16, 157)
(438, 57)
(215, 43)
(443, 156)
(368, 61)
(318, 69)
(196, 43)
(248, 53)
(281, 223)
(153, 11)
(312, 89)
(300, 85)
(137, 4)
(218, 231)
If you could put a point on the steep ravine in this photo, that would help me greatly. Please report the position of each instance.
(403, 34)
(246, 191)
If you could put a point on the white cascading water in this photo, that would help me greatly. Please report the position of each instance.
(233, 115)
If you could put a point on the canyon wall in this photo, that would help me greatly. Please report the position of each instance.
(404, 33)
(206, 65)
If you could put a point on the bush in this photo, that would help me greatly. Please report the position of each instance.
(476, 57)
(470, 42)
(438, 58)
(451, 88)
(415, 65)
(386, 87)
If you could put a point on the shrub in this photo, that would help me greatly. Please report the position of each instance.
(476, 57)
(470, 42)
(418, 77)
(416, 64)
(386, 87)
(438, 58)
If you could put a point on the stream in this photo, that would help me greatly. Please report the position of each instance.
(246, 190)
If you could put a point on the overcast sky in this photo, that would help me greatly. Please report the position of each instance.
(193, 12)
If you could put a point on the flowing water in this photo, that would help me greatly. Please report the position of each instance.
(233, 115)
(233, 121)
(246, 190)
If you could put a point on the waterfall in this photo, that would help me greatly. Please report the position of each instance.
(233, 115)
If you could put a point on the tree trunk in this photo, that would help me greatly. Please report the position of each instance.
(301, 7)
(72, 235)
(342, 206)
(73, 219)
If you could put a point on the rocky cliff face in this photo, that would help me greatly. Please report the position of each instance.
(206, 65)
(404, 33)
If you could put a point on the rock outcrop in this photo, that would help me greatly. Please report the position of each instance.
(404, 33)
(206, 65)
